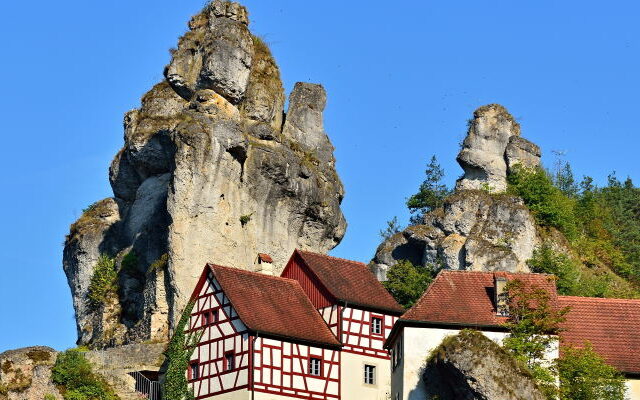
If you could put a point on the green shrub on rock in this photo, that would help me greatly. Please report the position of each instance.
(104, 281)
(74, 376)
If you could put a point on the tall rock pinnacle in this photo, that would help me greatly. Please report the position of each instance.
(212, 170)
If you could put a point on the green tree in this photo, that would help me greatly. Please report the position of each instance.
(564, 179)
(546, 260)
(406, 282)
(549, 205)
(431, 193)
(392, 228)
(584, 375)
(533, 324)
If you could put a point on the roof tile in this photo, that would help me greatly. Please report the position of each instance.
(467, 298)
(350, 281)
(611, 325)
(273, 305)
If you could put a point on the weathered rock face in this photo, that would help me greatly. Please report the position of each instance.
(211, 171)
(26, 374)
(490, 147)
(475, 230)
(470, 366)
(478, 228)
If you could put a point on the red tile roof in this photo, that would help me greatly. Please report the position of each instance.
(351, 282)
(611, 325)
(467, 298)
(273, 305)
(265, 258)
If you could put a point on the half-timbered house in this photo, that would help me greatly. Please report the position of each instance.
(262, 338)
(358, 310)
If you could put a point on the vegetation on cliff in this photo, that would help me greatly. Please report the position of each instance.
(76, 380)
(602, 226)
(406, 282)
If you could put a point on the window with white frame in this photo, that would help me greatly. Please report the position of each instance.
(376, 325)
(229, 361)
(315, 366)
(370, 374)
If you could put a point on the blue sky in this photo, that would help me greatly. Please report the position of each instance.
(402, 80)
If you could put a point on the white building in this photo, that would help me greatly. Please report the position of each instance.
(454, 301)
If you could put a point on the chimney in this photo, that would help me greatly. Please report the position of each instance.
(264, 264)
(500, 292)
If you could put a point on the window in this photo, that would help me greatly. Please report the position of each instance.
(194, 370)
(315, 366)
(397, 396)
(370, 374)
(206, 318)
(397, 353)
(216, 315)
(229, 361)
(376, 325)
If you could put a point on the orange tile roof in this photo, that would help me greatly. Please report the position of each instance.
(466, 298)
(351, 282)
(611, 325)
(273, 305)
(265, 257)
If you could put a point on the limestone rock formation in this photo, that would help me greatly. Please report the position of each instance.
(479, 227)
(490, 147)
(212, 170)
(470, 366)
(26, 373)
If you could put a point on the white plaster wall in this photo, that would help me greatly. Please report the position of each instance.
(633, 389)
(242, 394)
(418, 343)
(352, 378)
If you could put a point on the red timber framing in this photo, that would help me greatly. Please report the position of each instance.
(282, 368)
(226, 335)
(352, 326)
(357, 335)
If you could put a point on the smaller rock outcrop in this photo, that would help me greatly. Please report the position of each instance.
(492, 146)
(26, 374)
(470, 366)
(474, 230)
(479, 227)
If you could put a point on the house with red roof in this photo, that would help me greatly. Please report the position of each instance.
(360, 313)
(316, 332)
(454, 301)
(612, 326)
(458, 300)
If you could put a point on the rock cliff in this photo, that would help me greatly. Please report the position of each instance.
(479, 227)
(470, 366)
(212, 170)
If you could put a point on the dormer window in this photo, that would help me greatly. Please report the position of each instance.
(501, 295)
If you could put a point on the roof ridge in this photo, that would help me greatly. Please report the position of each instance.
(246, 271)
(602, 299)
(333, 257)
(466, 271)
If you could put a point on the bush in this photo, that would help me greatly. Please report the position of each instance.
(431, 193)
(584, 375)
(546, 260)
(549, 205)
(104, 281)
(74, 376)
(406, 282)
